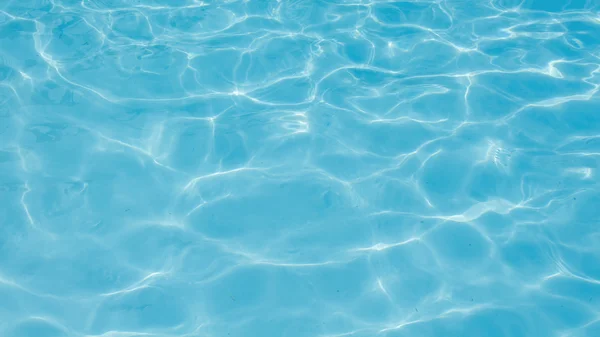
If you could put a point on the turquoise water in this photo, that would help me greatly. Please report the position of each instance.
(299, 168)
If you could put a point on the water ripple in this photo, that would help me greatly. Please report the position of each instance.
(299, 168)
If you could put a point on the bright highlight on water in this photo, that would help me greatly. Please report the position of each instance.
(299, 168)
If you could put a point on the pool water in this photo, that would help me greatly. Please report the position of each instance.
(299, 168)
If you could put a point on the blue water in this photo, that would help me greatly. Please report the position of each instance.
(299, 168)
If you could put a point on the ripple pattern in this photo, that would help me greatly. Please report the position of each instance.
(299, 168)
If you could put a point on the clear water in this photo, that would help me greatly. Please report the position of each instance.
(299, 168)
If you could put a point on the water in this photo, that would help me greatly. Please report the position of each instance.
(299, 168)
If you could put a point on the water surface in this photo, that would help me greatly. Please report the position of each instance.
(299, 168)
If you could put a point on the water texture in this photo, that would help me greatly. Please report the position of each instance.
(299, 168)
